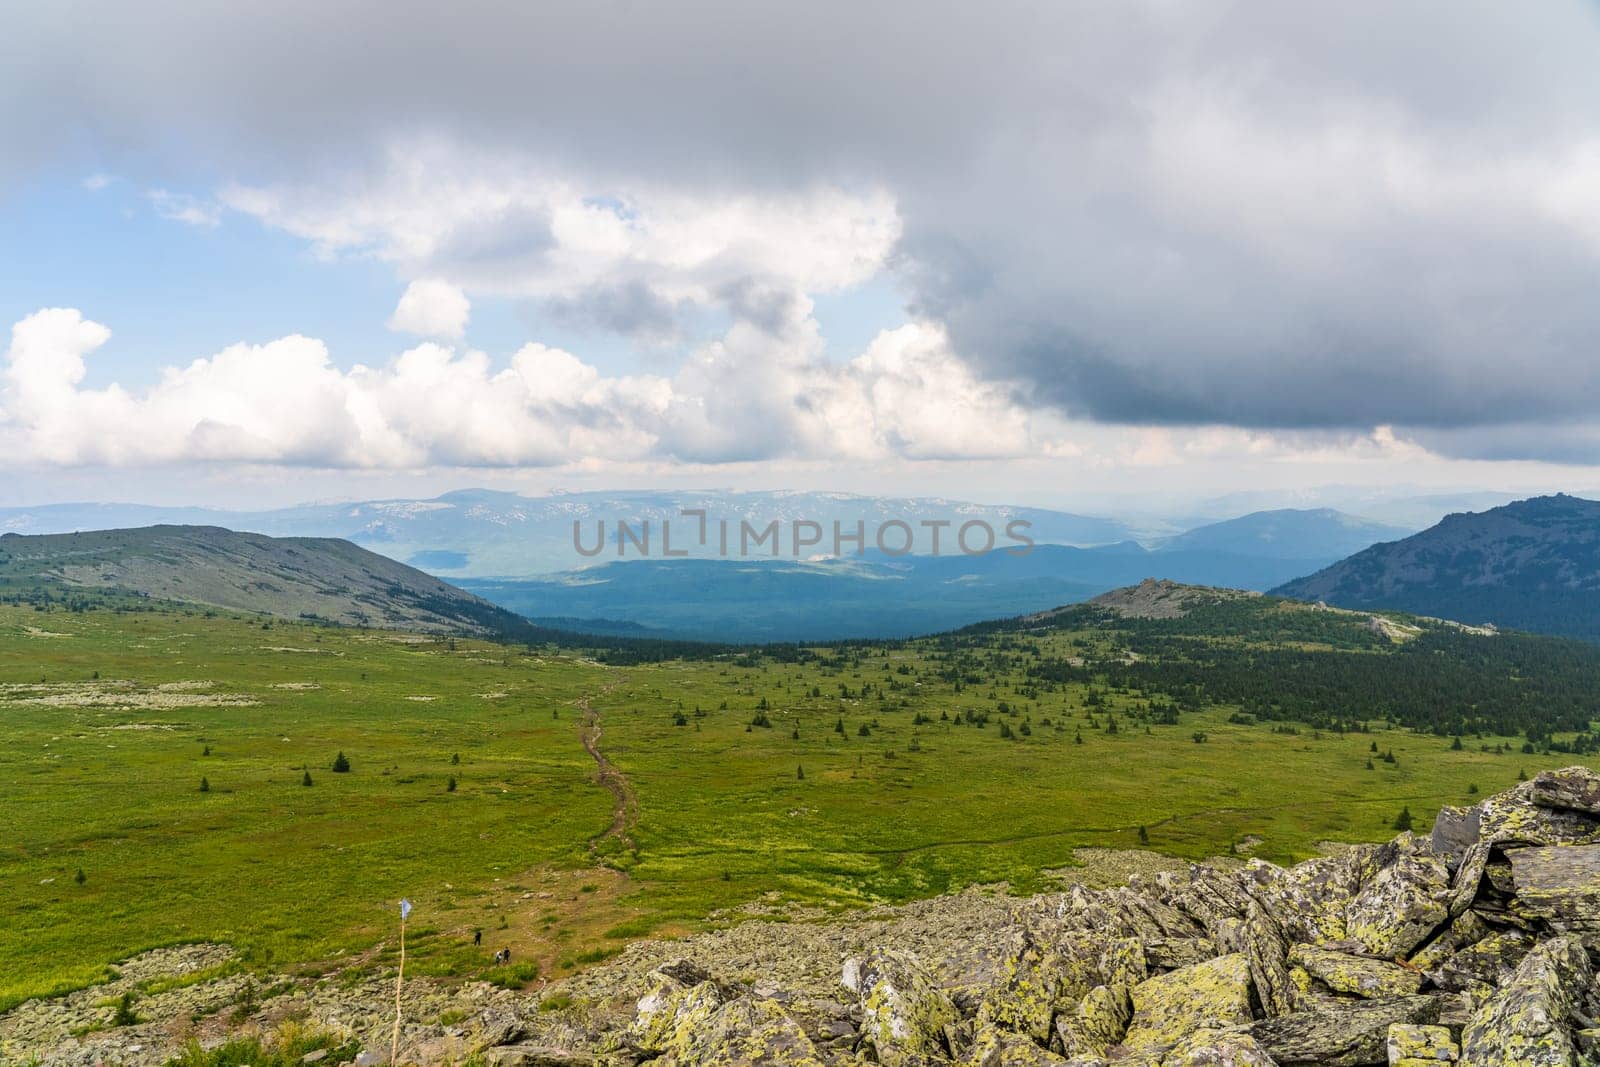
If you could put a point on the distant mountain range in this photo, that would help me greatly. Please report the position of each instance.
(518, 552)
(1287, 533)
(1532, 565)
(481, 533)
(882, 596)
(298, 578)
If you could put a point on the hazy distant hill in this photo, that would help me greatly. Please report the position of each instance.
(480, 532)
(1288, 533)
(287, 577)
(874, 596)
(1531, 565)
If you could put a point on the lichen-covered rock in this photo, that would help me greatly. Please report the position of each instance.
(1485, 963)
(904, 1012)
(536, 1056)
(994, 1047)
(1268, 952)
(1362, 976)
(667, 1018)
(1312, 899)
(1529, 1021)
(1384, 900)
(1466, 929)
(746, 1032)
(1512, 818)
(1036, 979)
(1041, 980)
(1096, 1023)
(1468, 879)
(1217, 902)
(1347, 1035)
(1171, 953)
(1403, 901)
(1410, 1045)
(1569, 789)
(1558, 884)
(1217, 1048)
(1206, 995)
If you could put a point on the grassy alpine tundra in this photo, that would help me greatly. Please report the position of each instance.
(177, 775)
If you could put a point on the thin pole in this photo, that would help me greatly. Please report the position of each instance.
(394, 1046)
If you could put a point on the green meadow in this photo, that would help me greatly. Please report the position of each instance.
(832, 778)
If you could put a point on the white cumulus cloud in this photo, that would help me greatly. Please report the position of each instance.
(435, 405)
(432, 307)
(628, 257)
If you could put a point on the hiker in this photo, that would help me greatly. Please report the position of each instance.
(477, 938)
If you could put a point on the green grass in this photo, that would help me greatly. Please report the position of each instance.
(297, 876)
(285, 872)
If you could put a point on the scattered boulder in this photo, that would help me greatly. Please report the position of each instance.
(1096, 1024)
(1217, 1048)
(537, 1056)
(994, 1047)
(904, 1013)
(1560, 885)
(1569, 789)
(1361, 976)
(1421, 1046)
(1454, 831)
(747, 1032)
(1203, 996)
(671, 1014)
(1405, 897)
(1529, 1021)
(1345, 1035)
(1512, 818)
(1484, 964)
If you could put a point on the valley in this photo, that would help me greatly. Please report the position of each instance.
(162, 751)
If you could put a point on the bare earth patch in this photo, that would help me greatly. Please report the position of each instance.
(34, 631)
(120, 694)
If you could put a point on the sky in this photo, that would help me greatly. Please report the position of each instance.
(1104, 256)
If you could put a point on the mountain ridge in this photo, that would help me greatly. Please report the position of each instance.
(326, 579)
(1529, 565)
(1285, 533)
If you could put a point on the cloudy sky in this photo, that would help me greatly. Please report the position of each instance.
(1056, 252)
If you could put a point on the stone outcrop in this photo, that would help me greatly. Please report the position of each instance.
(1528, 1022)
(1470, 946)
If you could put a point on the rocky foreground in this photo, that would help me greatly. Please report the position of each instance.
(1474, 945)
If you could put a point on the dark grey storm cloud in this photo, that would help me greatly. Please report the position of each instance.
(1259, 213)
